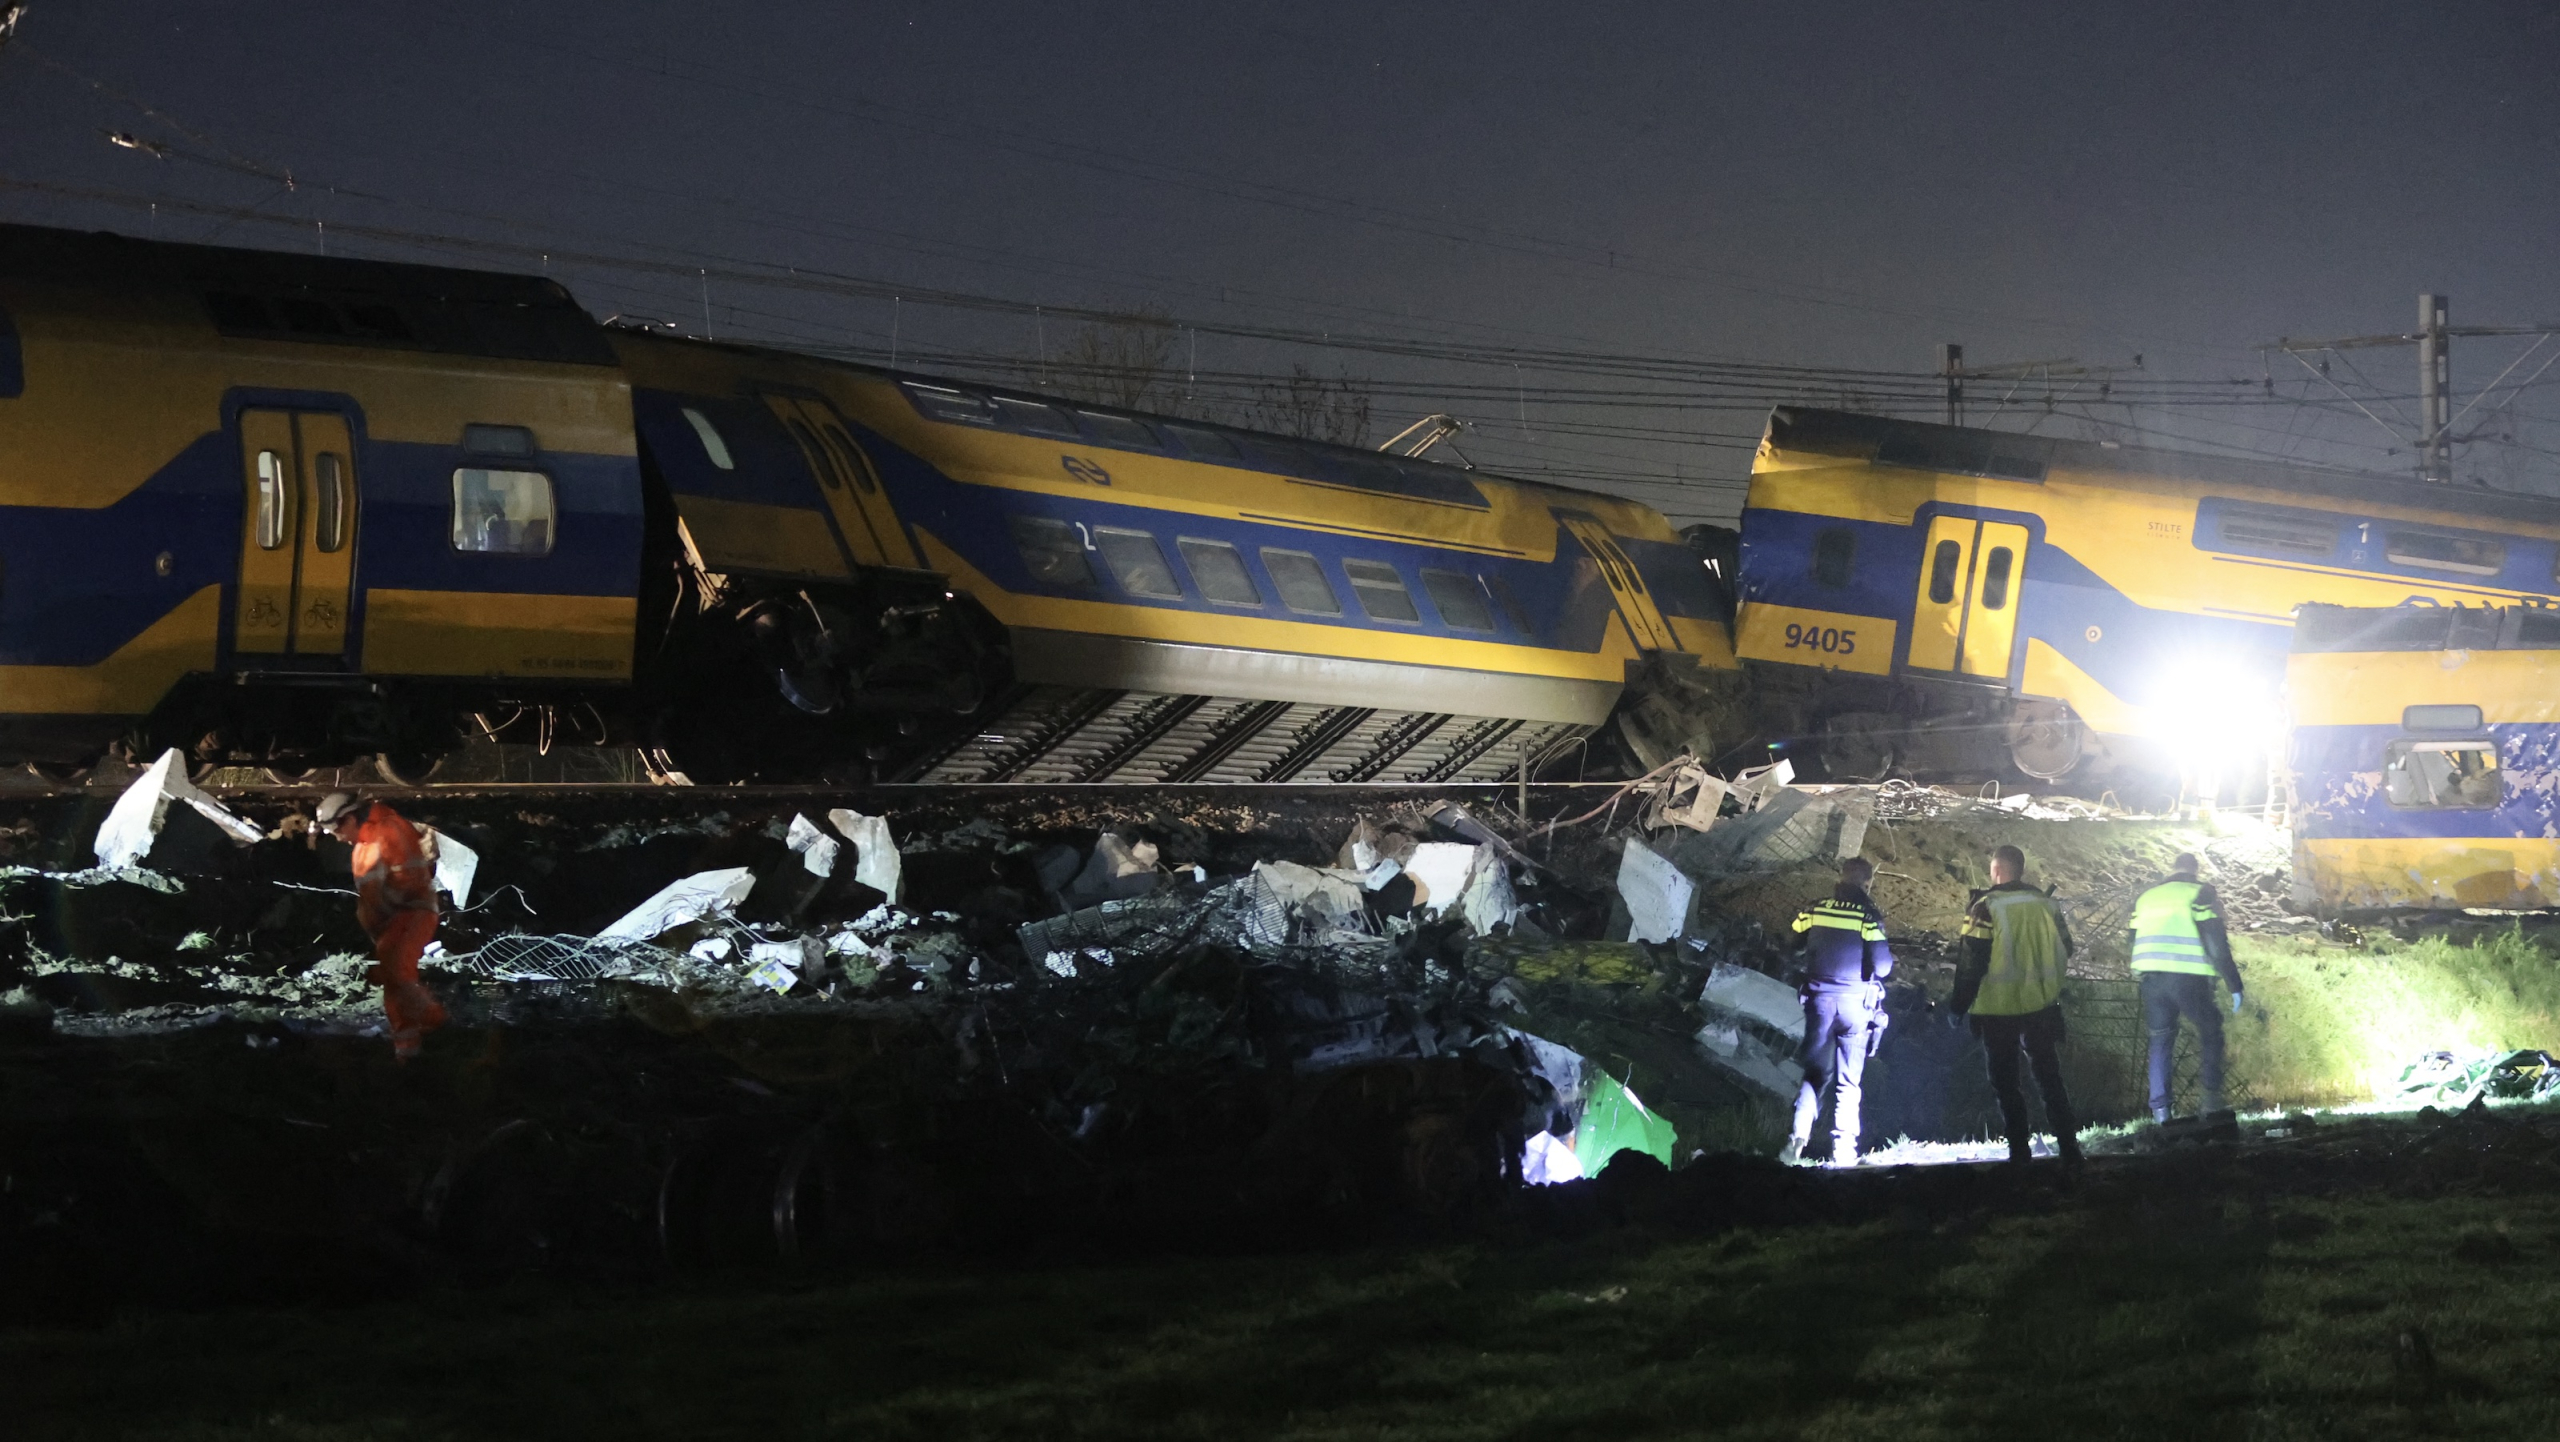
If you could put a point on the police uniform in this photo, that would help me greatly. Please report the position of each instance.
(1846, 963)
(2179, 946)
(2011, 985)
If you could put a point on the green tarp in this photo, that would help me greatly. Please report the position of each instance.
(1613, 1121)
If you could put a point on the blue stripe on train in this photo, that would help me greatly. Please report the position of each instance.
(1566, 603)
(78, 584)
(2338, 787)
(2143, 656)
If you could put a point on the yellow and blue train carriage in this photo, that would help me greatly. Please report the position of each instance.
(293, 509)
(288, 507)
(2425, 756)
(1119, 554)
(1939, 599)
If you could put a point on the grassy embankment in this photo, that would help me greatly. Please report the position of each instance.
(2170, 1311)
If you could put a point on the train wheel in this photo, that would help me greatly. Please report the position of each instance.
(408, 769)
(2045, 739)
(61, 773)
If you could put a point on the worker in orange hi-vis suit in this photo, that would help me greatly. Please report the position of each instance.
(396, 905)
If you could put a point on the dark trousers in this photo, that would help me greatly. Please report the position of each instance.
(2038, 1034)
(1834, 1054)
(2167, 996)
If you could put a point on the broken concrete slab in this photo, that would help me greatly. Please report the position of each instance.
(705, 893)
(1658, 896)
(133, 827)
(1740, 991)
(876, 863)
(816, 849)
(456, 864)
(1734, 1049)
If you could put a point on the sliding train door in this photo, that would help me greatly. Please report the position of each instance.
(1964, 618)
(297, 543)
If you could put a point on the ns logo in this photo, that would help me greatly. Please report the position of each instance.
(1085, 471)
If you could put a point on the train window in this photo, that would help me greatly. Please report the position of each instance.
(942, 403)
(1995, 577)
(2537, 629)
(1834, 551)
(1137, 562)
(275, 493)
(2442, 775)
(2271, 530)
(1302, 582)
(712, 446)
(329, 514)
(505, 513)
(821, 463)
(1460, 599)
(1218, 570)
(1033, 416)
(1943, 564)
(2439, 552)
(1117, 431)
(1381, 591)
(486, 440)
(850, 456)
(1052, 552)
(1209, 445)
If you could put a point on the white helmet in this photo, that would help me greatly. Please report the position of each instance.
(335, 805)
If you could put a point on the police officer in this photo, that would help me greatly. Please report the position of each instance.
(1846, 962)
(2179, 946)
(2010, 983)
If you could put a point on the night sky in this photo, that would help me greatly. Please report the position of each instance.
(1831, 187)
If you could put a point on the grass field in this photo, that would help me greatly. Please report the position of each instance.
(2166, 1297)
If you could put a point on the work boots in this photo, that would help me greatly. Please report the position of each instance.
(1792, 1154)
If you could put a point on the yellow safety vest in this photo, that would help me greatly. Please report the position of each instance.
(2165, 937)
(2025, 975)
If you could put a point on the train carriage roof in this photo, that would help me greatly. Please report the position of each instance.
(322, 299)
(2006, 455)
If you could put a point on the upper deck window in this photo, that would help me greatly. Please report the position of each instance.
(1835, 552)
(943, 403)
(1137, 562)
(1381, 591)
(1219, 571)
(2437, 551)
(1037, 417)
(716, 449)
(1206, 444)
(1052, 551)
(1460, 599)
(2294, 532)
(1302, 582)
(2440, 718)
(1118, 431)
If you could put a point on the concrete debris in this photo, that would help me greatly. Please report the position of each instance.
(133, 828)
(1691, 797)
(1658, 896)
(1749, 1058)
(1370, 845)
(1741, 992)
(1547, 1162)
(1754, 787)
(876, 862)
(779, 966)
(456, 864)
(816, 849)
(1789, 826)
(681, 903)
(1324, 906)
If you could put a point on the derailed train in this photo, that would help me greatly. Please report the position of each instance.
(1932, 599)
(290, 510)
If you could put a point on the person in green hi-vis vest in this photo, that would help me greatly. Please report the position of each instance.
(2179, 946)
(2010, 983)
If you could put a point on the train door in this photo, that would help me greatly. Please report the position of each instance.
(1635, 602)
(297, 544)
(852, 486)
(1964, 620)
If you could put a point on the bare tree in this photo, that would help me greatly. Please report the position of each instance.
(1311, 407)
(1126, 363)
